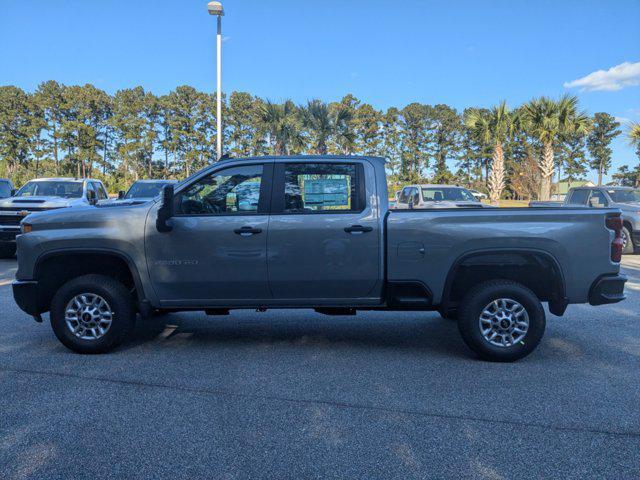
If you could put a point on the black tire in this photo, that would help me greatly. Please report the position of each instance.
(628, 248)
(7, 250)
(481, 296)
(118, 298)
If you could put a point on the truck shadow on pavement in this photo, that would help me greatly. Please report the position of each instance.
(301, 329)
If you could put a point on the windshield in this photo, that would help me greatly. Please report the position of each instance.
(144, 190)
(624, 196)
(436, 194)
(51, 188)
(5, 189)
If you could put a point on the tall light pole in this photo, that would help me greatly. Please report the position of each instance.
(215, 8)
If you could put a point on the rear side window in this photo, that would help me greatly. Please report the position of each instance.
(322, 187)
(579, 197)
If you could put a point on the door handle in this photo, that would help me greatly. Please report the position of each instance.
(247, 231)
(357, 229)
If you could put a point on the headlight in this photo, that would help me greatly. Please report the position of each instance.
(25, 227)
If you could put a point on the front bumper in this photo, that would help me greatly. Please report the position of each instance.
(607, 289)
(26, 295)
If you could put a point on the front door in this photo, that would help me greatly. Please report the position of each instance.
(216, 251)
(324, 236)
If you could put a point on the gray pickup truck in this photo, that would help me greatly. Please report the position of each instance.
(627, 199)
(312, 232)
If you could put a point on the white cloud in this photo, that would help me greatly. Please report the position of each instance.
(626, 74)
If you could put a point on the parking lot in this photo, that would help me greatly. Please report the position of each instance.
(294, 394)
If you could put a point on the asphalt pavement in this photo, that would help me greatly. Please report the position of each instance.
(294, 394)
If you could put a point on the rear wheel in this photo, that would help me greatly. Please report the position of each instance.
(92, 314)
(7, 250)
(501, 320)
(627, 241)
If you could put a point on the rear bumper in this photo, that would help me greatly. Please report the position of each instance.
(607, 289)
(25, 293)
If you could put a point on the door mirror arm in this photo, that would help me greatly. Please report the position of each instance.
(165, 212)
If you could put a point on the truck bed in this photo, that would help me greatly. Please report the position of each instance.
(424, 244)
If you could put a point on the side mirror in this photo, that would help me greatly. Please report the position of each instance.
(91, 197)
(165, 212)
(121, 194)
(13, 192)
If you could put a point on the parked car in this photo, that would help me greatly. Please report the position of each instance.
(43, 194)
(626, 199)
(313, 232)
(6, 188)
(479, 195)
(143, 190)
(436, 196)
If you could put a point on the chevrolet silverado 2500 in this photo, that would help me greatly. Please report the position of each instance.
(313, 232)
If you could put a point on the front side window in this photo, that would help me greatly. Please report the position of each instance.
(433, 194)
(625, 196)
(51, 189)
(320, 187)
(232, 191)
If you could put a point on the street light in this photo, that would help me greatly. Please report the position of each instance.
(215, 8)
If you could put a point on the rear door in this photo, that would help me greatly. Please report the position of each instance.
(324, 236)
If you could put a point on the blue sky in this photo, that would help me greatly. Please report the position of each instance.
(461, 53)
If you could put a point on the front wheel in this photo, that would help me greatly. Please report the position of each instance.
(92, 314)
(501, 320)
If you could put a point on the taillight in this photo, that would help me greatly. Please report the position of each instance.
(615, 224)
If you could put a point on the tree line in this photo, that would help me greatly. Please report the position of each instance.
(82, 131)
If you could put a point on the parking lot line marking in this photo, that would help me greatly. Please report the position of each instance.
(330, 403)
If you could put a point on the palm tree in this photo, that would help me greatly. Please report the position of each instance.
(324, 123)
(547, 120)
(282, 123)
(634, 137)
(493, 128)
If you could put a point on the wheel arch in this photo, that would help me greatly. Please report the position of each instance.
(530, 267)
(114, 263)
